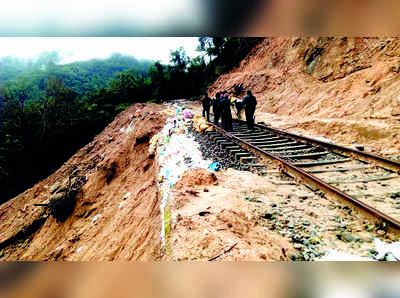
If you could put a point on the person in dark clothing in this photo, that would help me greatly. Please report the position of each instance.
(221, 108)
(249, 103)
(226, 113)
(239, 107)
(206, 106)
(216, 109)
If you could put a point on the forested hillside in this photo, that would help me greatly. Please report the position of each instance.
(48, 110)
(30, 75)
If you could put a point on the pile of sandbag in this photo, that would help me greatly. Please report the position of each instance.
(169, 112)
(177, 151)
(200, 124)
(187, 114)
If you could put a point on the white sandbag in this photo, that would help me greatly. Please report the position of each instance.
(387, 251)
(334, 256)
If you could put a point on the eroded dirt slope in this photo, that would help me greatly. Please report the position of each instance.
(117, 214)
(215, 223)
(347, 89)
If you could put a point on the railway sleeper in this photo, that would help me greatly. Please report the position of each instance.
(210, 133)
(223, 145)
(266, 138)
(242, 152)
(273, 146)
(220, 141)
(285, 147)
(213, 132)
(257, 165)
(240, 129)
(262, 138)
(246, 159)
(241, 132)
(261, 135)
(229, 148)
(292, 151)
(238, 155)
(216, 138)
(309, 155)
(277, 142)
(256, 133)
(263, 142)
(232, 147)
(247, 130)
(244, 135)
(235, 151)
(319, 163)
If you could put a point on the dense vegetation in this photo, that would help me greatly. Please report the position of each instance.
(48, 110)
(82, 77)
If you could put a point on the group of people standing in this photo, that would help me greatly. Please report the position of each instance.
(222, 108)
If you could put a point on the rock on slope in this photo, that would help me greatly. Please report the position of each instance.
(117, 214)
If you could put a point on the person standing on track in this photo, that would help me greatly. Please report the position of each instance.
(249, 103)
(239, 108)
(216, 109)
(237, 103)
(206, 106)
(221, 109)
(226, 113)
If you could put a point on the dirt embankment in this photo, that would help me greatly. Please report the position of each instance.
(116, 216)
(347, 89)
(212, 221)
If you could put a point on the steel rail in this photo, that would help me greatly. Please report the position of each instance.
(394, 164)
(314, 180)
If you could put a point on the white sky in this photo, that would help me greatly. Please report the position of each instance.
(84, 48)
(92, 17)
(91, 10)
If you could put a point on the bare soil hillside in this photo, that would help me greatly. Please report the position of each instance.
(347, 89)
(117, 214)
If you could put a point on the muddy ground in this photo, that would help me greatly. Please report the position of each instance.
(259, 214)
(343, 89)
(229, 215)
(117, 214)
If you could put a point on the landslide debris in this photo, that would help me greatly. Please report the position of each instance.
(342, 88)
(196, 177)
(323, 76)
(83, 210)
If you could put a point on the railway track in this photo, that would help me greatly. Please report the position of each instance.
(368, 181)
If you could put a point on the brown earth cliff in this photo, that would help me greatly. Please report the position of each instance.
(347, 89)
(117, 214)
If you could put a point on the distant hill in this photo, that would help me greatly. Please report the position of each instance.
(46, 114)
(81, 77)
